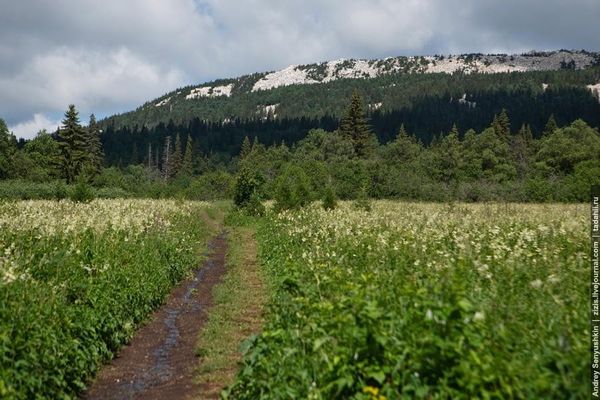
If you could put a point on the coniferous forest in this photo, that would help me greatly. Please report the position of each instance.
(514, 145)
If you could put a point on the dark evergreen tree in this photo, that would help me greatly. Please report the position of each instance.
(355, 127)
(135, 158)
(73, 145)
(177, 156)
(522, 150)
(95, 154)
(188, 162)
(167, 163)
(551, 126)
(501, 125)
(246, 148)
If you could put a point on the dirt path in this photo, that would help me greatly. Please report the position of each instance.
(237, 313)
(160, 362)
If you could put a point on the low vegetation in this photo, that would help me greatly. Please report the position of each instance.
(76, 279)
(416, 300)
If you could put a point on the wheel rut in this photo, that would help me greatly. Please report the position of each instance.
(161, 362)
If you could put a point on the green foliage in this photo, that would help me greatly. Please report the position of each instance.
(177, 156)
(362, 201)
(73, 145)
(82, 192)
(211, 186)
(246, 148)
(354, 127)
(329, 199)
(247, 183)
(8, 148)
(74, 297)
(562, 150)
(292, 189)
(93, 147)
(187, 164)
(392, 303)
(255, 206)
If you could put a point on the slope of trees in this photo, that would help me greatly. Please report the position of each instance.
(503, 160)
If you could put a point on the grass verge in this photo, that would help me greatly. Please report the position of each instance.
(236, 314)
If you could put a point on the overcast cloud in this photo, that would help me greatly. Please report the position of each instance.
(111, 56)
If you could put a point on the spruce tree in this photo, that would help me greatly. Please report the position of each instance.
(355, 127)
(551, 126)
(501, 125)
(150, 161)
(187, 163)
(73, 146)
(246, 148)
(167, 164)
(522, 149)
(95, 155)
(134, 155)
(177, 156)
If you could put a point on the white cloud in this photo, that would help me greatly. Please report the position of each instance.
(29, 129)
(112, 56)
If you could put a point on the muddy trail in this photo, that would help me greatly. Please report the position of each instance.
(160, 362)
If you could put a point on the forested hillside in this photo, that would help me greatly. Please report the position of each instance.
(218, 115)
(470, 136)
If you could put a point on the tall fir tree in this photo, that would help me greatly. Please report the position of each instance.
(177, 156)
(187, 163)
(522, 149)
(501, 125)
(135, 158)
(150, 160)
(246, 148)
(167, 163)
(354, 126)
(95, 155)
(73, 146)
(551, 126)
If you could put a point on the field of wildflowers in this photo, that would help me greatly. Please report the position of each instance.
(414, 300)
(76, 279)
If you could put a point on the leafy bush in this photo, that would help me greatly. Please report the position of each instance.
(422, 301)
(247, 183)
(28, 190)
(329, 200)
(82, 192)
(362, 201)
(77, 283)
(292, 189)
(211, 186)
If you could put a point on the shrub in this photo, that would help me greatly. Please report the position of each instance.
(329, 200)
(292, 189)
(247, 182)
(254, 206)
(82, 192)
(211, 186)
(362, 201)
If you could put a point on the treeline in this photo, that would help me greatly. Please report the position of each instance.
(503, 161)
(426, 117)
(499, 163)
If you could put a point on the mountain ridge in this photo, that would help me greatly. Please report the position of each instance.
(351, 68)
(280, 93)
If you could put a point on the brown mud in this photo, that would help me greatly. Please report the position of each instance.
(161, 362)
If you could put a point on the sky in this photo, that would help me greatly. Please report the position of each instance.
(111, 56)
